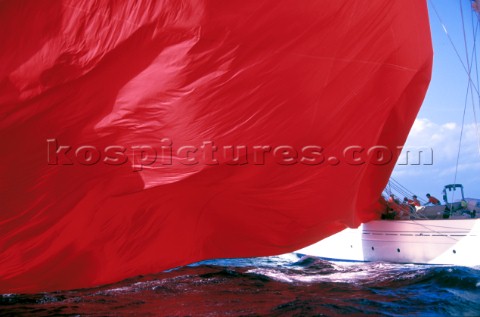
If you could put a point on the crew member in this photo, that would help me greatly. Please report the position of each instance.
(394, 206)
(416, 202)
(408, 201)
(432, 200)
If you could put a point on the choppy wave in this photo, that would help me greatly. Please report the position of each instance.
(272, 286)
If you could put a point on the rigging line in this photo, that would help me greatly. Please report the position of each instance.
(469, 64)
(453, 45)
(400, 192)
(464, 37)
(475, 35)
(410, 193)
(404, 188)
(476, 18)
(461, 135)
(397, 192)
(397, 183)
(474, 56)
(469, 91)
(398, 188)
(475, 62)
(394, 189)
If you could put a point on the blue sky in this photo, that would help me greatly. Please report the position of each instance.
(439, 121)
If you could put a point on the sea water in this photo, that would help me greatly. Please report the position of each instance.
(287, 285)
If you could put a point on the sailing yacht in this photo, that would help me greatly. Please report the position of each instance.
(443, 234)
(446, 234)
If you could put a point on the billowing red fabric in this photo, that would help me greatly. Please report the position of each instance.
(120, 124)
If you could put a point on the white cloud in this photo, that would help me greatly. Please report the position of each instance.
(443, 139)
(449, 126)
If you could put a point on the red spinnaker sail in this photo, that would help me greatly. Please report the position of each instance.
(140, 136)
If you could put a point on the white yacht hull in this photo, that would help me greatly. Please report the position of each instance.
(442, 241)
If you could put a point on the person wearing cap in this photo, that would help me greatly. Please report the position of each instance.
(405, 209)
(416, 202)
(432, 200)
